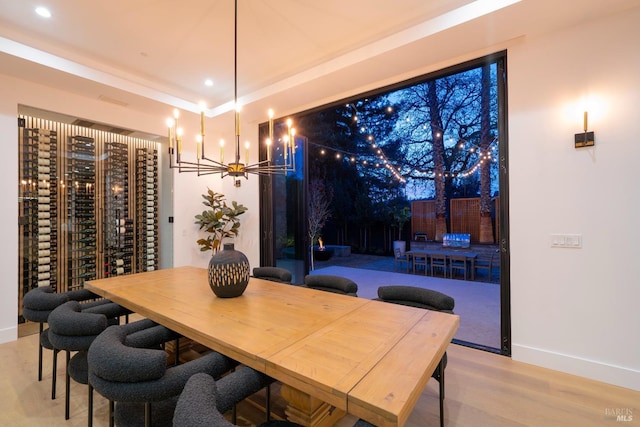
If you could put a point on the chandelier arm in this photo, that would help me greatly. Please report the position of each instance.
(207, 166)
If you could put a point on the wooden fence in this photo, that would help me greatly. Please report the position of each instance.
(464, 217)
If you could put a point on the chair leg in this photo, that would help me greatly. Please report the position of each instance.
(40, 352)
(90, 406)
(55, 374)
(67, 387)
(111, 413)
(147, 414)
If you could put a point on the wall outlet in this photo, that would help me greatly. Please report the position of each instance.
(566, 241)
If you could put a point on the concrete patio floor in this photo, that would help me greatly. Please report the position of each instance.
(476, 302)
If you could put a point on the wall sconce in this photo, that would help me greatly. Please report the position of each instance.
(585, 139)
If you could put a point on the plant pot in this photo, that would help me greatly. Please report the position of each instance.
(322, 254)
(228, 272)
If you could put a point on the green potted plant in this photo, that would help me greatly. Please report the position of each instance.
(228, 269)
(220, 221)
(400, 216)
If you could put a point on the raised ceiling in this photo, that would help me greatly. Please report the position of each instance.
(145, 54)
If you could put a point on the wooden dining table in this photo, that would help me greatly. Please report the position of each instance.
(333, 354)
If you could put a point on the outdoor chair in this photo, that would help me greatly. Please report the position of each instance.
(132, 370)
(420, 261)
(458, 263)
(330, 283)
(422, 298)
(204, 400)
(274, 274)
(38, 304)
(485, 262)
(399, 259)
(439, 263)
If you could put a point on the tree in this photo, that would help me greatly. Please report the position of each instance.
(486, 228)
(318, 211)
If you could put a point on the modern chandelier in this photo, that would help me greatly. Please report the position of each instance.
(204, 165)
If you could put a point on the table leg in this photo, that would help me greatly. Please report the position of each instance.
(307, 410)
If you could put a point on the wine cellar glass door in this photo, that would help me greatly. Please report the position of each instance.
(88, 203)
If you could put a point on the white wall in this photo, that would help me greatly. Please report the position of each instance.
(188, 195)
(574, 310)
(9, 213)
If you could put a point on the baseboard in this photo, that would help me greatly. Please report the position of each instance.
(598, 371)
(8, 334)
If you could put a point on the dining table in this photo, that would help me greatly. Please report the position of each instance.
(469, 257)
(334, 354)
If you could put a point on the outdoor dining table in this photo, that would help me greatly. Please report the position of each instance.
(470, 257)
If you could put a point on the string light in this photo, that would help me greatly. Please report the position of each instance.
(481, 157)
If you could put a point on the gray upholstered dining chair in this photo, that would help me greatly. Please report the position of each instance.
(274, 274)
(130, 370)
(38, 304)
(330, 283)
(204, 400)
(422, 298)
(73, 329)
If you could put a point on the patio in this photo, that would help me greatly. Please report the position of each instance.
(477, 302)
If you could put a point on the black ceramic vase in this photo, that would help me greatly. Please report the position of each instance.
(228, 272)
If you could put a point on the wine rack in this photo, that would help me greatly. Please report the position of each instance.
(88, 205)
(147, 206)
(81, 210)
(118, 227)
(38, 208)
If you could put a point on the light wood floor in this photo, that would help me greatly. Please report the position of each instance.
(482, 389)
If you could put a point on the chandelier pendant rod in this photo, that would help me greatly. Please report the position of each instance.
(235, 80)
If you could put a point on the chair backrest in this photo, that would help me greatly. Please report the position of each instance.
(121, 372)
(416, 297)
(72, 329)
(196, 406)
(437, 258)
(203, 399)
(330, 283)
(38, 303)
(399, 255)
(458, 258)
(275, 274)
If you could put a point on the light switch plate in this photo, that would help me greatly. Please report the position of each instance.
(566, 241)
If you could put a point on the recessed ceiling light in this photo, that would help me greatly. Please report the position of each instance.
(43, 11)
(208, 82)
